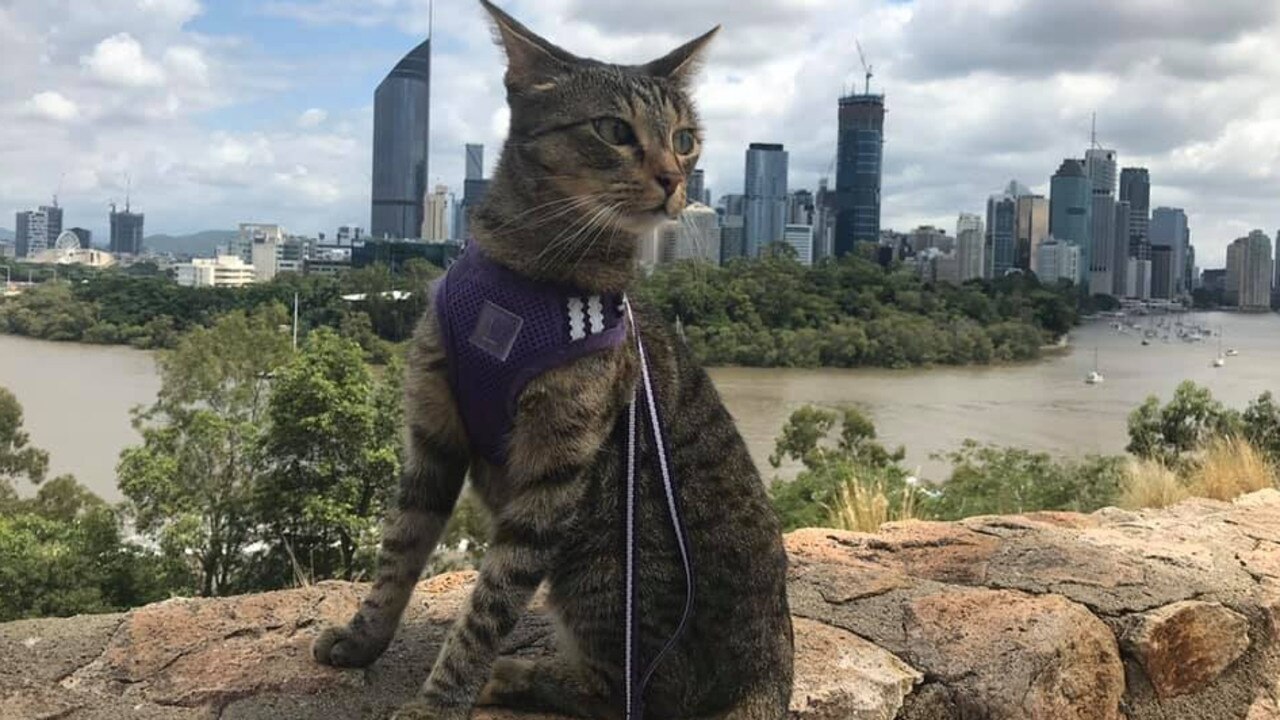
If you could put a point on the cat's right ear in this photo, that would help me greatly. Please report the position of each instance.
(533, 63)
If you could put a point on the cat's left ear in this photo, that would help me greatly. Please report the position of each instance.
(681, 64)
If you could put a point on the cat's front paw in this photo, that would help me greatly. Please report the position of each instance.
(346, 648)
(423, 710)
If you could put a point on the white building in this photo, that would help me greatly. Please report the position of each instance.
(800, 237)
(251, 234)
(1138, 279)
(224, 271)
(1058, 260)
(1249, 271)
(970, 246)
(434, 228)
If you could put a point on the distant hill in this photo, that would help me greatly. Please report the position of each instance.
(201, 243)
(6, 234)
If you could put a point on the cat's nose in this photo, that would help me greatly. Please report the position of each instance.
(670, 181)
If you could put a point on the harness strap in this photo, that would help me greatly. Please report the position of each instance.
(635, 691)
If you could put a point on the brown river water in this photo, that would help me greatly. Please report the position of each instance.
(77, 397)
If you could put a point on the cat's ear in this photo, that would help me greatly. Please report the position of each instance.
(532, 62)
(681, 64)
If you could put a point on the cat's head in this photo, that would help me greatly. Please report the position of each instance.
(590, 139)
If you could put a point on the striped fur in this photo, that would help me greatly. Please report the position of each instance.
(557, 504)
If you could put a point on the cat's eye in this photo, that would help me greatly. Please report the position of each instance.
(615, 131)
(684, 141)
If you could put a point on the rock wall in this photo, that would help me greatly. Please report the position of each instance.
(1166, 615)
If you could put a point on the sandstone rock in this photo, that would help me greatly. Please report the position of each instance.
(840, 676)
(987, 619)
(1010, 656)
(1185, 646)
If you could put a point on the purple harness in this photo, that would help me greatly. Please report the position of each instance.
(502, 330)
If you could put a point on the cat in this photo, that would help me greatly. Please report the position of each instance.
(597, 155)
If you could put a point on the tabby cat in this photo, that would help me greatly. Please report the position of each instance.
(597, 155)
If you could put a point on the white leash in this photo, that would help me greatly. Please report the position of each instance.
(634, 697)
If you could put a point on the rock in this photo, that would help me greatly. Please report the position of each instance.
(1009, 655)
(1185, 646)
(1168, 615)
(841, 676)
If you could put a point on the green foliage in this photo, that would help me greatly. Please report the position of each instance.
(987, 480)
(1262, 426)
(331, 458)
(852, 312)
(1167, 434)
(190, 484)
(829, 462)
(18, 459)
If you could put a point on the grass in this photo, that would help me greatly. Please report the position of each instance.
(1225, 469)
(1152, 484)
(1230, 467)
(863, 506)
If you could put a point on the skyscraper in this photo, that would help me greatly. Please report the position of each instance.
(401, 124)
(695, 191)
(22, 233)
(475, 161)
(1002, 239)
(1100, 165)
(126, 232)
(800, 238)
(1071, 211)
(1120, 250)
(1169, 229)
(434, 228)
(1249, 272)
(969, 255)
(53, 222)
(859, 152)
(765, 213)
(1135, 189)
(1032, 229)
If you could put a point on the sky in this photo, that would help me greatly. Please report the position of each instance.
(228, 111)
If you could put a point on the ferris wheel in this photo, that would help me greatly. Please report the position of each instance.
(67, 241)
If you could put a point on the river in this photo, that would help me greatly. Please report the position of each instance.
(77, 397)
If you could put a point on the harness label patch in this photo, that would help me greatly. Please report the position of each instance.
(496, 330)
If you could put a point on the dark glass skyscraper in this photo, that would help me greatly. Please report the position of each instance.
(859, 151)
(1071, 211)
(1135, 189)
(401, 126)
(126, 232)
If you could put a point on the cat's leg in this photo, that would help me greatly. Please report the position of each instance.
(563, 418)
(435, 468)
(548, 685)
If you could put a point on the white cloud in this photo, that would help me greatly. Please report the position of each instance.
(176, 11)
(312, 117)
(187, 65)
(119, 60)
(53, 106)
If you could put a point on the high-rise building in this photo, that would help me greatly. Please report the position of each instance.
(733, 241)
(1032, 229)
(126, 231)
(349, 235)
(695, 236)
(1138, 278)
(1161, 272)
(968, 221)
(22, 232)
(800, 209)
(1275, 257)
(1249, 272)
(251, 235)
(766, 196)
(1169, 229)
(1135, 189)
(475, 161)
(1071, 211)
(859, 154)
(928, 236)
(473, 194)
(86, 237)
(695, 191)
(401, 129)
(800, 238)
(824, 222)
(1059, 261)
(1001, 239)
(969, 255)
(1120, 250)
(1100, 166)
(53, 222)
(434, 228)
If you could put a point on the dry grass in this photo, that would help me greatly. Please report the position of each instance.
(864, 506)
(1230, 467)
(1151, 484)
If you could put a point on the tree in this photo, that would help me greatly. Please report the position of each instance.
(1167, 434)
(331, 459)
(190, 484)
(18, 460)
(1262, 426)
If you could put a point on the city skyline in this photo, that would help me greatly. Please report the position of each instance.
(229, 113)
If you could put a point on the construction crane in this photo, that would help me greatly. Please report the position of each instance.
(866, 69)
